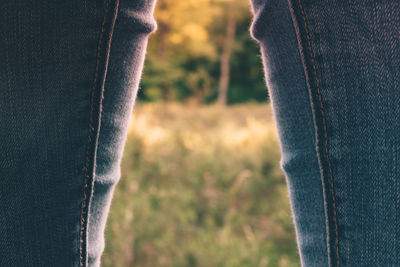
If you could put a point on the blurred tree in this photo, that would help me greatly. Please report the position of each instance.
(236, 10)
(226, 55)
(194, 52)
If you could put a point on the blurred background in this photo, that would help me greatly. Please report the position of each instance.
(201, 183)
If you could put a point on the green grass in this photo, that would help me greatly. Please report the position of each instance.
(201, 186)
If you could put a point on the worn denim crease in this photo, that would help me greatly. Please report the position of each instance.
(320, 139)
(110, 15)
(289, 94)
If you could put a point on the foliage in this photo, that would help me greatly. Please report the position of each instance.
(201, 186)
(184, 54)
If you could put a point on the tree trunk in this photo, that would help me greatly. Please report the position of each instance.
(162, 31)
(225, 58)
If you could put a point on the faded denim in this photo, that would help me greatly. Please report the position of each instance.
(332, 69)
(69, 73)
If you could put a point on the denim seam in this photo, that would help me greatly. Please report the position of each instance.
(96, 97)
(324, 126)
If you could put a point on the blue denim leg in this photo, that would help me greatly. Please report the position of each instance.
(289, 95)
(350, 62)
(69, 72)
(133, 25)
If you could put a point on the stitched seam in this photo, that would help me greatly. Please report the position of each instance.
(324, 129)
(84, 214)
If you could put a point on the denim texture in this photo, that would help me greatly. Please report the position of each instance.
(69, 72)
(133, 25)
(349, 52)
(273, 28)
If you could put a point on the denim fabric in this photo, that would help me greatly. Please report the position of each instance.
(69, 72)
(133, 25)
(67, 87)
(289, 96)
(350, 52)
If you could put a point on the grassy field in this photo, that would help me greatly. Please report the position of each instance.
(201, 186)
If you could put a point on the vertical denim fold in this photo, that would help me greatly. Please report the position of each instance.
(134, 24)
(289, 94)
(313, 83)
(96, 98)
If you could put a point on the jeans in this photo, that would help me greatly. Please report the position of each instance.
(334, 81)
(69, 73)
